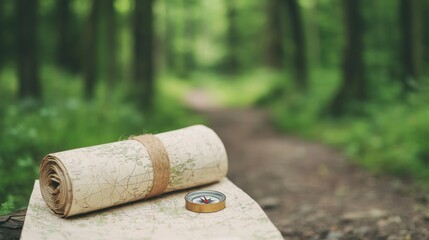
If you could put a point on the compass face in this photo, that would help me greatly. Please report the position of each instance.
(205, 201)
(205, 197)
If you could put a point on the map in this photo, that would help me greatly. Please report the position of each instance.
(164, 217)
(87, 179)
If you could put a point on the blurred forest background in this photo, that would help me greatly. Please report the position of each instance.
(350, 73)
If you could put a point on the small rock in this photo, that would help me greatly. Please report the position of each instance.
(305, 209)
(393, 237)
(308, 233)
(362, 231)
(268, 203)
(395, 219)
(385, 222)
(333, 235)
(358, 215)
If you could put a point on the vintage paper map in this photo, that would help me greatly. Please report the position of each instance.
(164, 217)
(87, 179)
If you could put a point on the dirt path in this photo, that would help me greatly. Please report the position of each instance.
(311, 191)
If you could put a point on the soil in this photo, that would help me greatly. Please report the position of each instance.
(311, 191)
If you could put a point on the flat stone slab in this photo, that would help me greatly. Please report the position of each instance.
(11, 225)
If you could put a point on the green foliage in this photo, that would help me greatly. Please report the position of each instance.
(29, 129)
(8, 205)
(391, 137)
(297, 110)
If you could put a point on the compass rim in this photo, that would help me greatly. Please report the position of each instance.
(205, 208)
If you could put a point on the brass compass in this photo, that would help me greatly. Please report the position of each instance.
(205, 201)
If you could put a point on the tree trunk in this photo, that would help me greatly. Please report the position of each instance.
(64, 39)
(2, 34)
(412, 43)
(189, 22)
(68, 45)
(353, 87)
(425, 19)
(90, 61)
(26, 37)
(111, 41)
(313, 39)
(232, 63)
(274, 34)
(300, 60)
(169, 35)
(143, 52)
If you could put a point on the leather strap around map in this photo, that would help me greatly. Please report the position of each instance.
(160, 162)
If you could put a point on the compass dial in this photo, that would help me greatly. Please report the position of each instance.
(205, 201)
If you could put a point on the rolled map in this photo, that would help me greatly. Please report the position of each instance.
(87, 179)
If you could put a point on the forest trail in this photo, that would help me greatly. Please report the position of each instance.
(311, 191)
